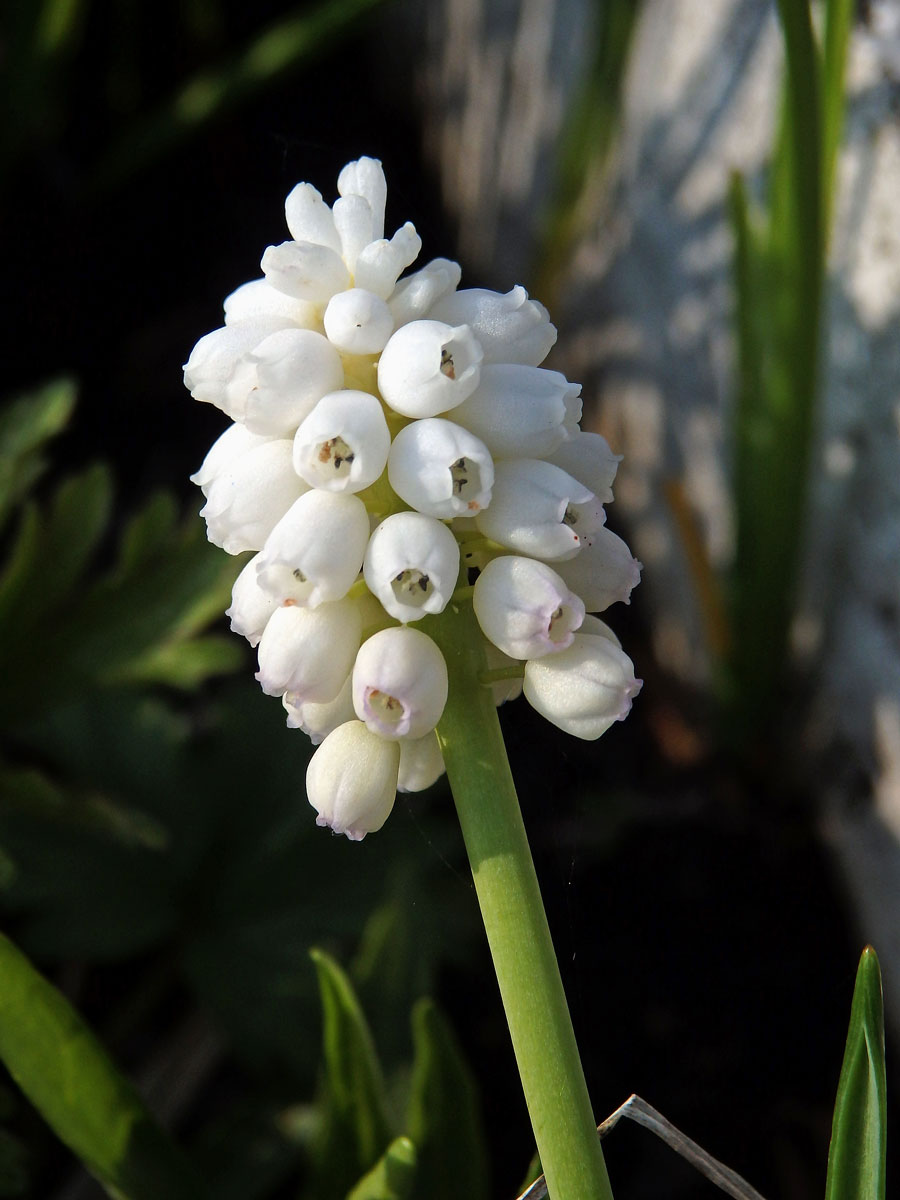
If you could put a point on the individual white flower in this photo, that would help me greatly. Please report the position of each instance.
(309, 651)
(511, 328)
(259, 301)
(310, 219)
(399, 683)
(428, 368)
(225, 450)
(421, 763)
(525, 608)
(441, 469)
(305, 271)
(317, 719)
(411, 565)
(583, 689)
(521, 412)
(315, 551)
(380, 264)
(211, 365)
(588, 458)
(603, 573)
(358, 322)
(538, 509)
(342, 446)
(245, 501)
(413, 296)
(351, 780)
(251, 606)
(274, 385)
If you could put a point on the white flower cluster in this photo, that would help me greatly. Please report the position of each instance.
(388, 433)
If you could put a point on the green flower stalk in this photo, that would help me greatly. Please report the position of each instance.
(428, 529)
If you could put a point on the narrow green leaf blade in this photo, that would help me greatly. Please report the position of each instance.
(25, 425)
(392, 1177)
(857, 1154)
(358, 1126)
(444, 1118)
(69, 1078)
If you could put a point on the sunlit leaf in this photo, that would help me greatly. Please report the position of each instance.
(393, 1177)
(25, 426)
(857, 1154)
(73, 1083)
(444, 1119)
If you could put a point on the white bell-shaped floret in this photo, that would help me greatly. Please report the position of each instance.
(413, 296)
(588, 458)
(342, 446)
(259, 301)
(353, 221)
(251, 606)
(603, 573)
(511, 328)
(358, 322)
(428, 367)
(525, 608)
(315, 719)
(351, 780)
(249, 497)
(365, 178)
(380, 264)
(441, 469)
(399, 683)
(537, 509)
(211, 366)
(521, 412)
(411, 565)
(305, 271)
(315, 551)
(226, 449)
(421, 763)
(276, 384)
(584, 689)
(309, 651)
(310, 219)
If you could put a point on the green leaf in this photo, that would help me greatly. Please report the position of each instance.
(857, 1154)
(444, 1118)
(185, 664)
(69, 1078)
(25, 426)
(392, 1177)
(358, 1126)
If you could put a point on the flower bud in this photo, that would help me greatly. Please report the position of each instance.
(521, 412)
(305, 271)
(342, 446)
(428, 367)
(259, 301)
(317, 720)
(380, 264)
(421, 763)
(524, 608)
(399, 683)
(309, 651)
(351, 780)
(276, 384)
(441, 469)
(251, 607)
(510, 328)
(310, 219)
(225, 450)
(411, 565)
(358, 322)
(213, 360)
(413, 296)
(365, 178)
(315, 551)
(604, 572)
(583, 689)
(353, 221)
(588, 458)
(246, 500)
(537, 509)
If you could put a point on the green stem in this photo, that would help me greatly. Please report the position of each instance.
(514, 919)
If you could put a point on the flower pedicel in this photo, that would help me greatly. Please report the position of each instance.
(387, 432)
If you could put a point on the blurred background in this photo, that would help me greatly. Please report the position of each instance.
(712, 867)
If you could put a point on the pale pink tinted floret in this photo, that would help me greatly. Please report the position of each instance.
(583, 689)
(351, 780)
(525, 608)
(399, 683)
